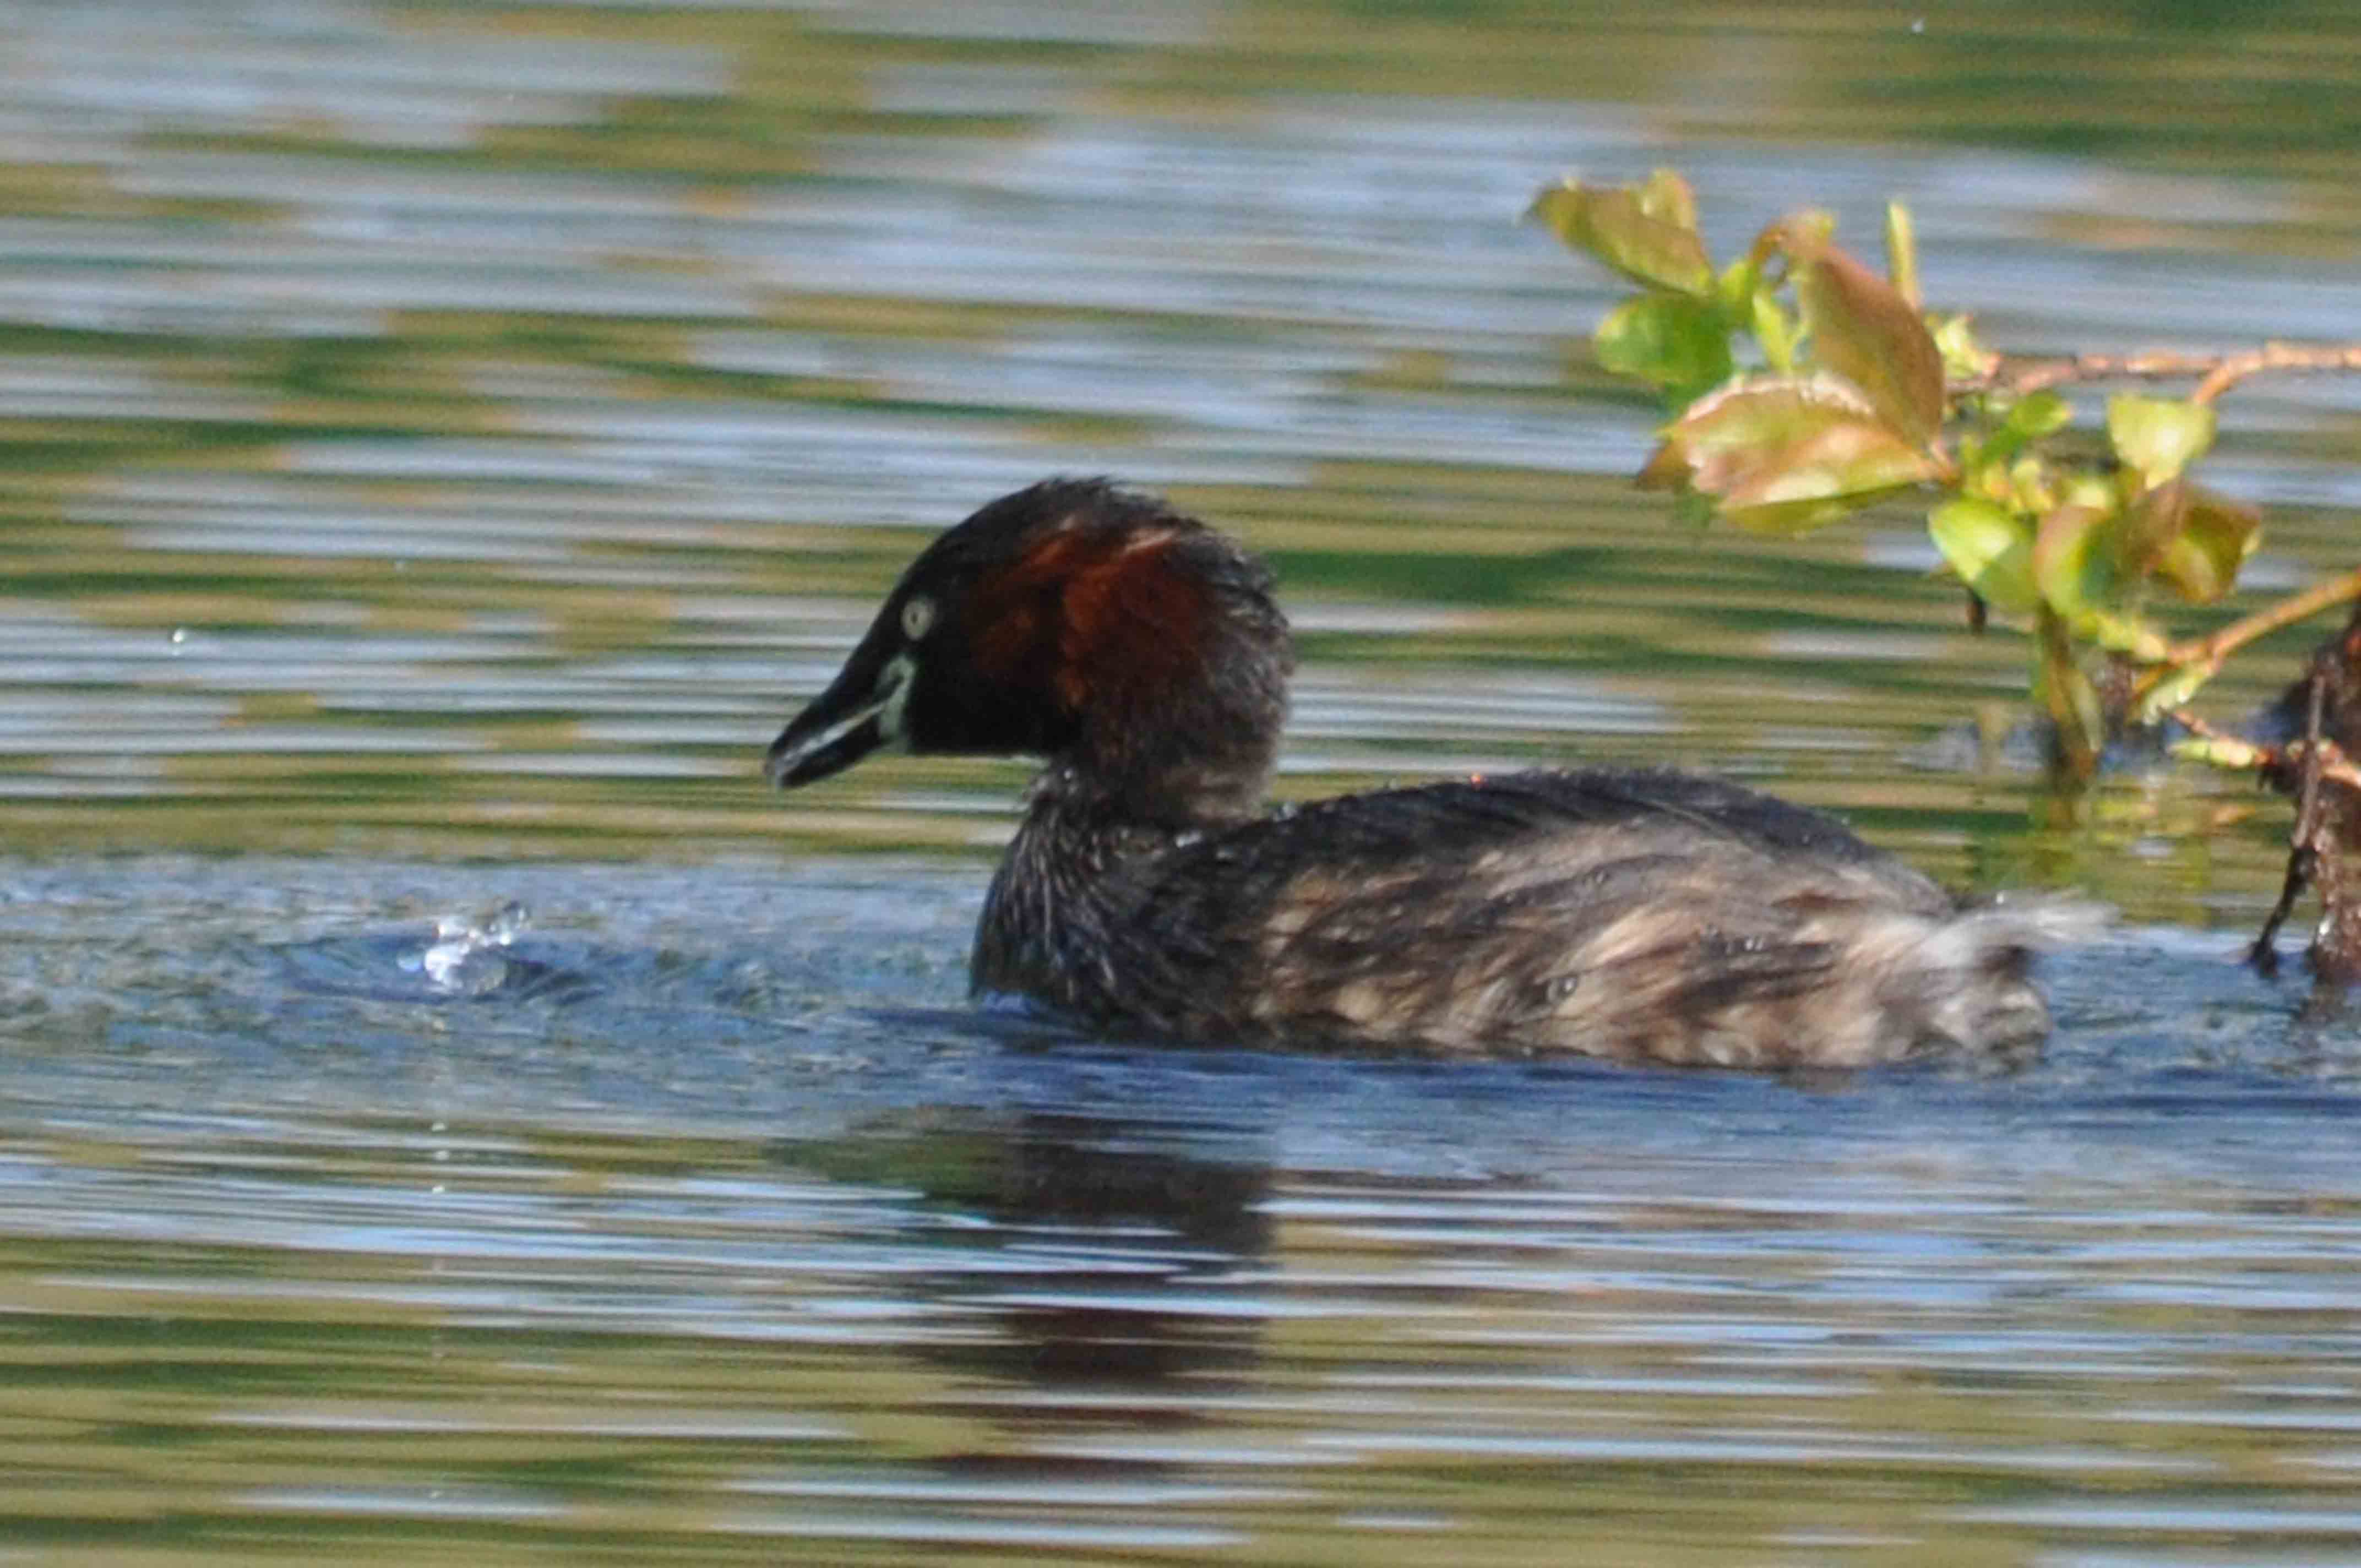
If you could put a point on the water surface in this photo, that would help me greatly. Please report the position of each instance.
(448, 1106)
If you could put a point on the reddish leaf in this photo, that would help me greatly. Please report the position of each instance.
(2216, 536)
(1819, 480)
(2062, 554)
(1799, 236)
(2189, 539)
(1783, 456)
(1667, 468)
(1863, 330)
(2150, 525)
(1765, 412)
(2079, 572)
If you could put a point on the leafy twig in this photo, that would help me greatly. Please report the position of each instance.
(2207, 653)
(2234, 750)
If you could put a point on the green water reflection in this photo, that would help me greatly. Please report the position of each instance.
(443, 447)
(455, 436)
(1157, 1356)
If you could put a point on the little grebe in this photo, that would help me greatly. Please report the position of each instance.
(1627, 913)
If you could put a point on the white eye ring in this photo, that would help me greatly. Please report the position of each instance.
(918, 616)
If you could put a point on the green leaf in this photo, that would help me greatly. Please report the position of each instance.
(2219, 751)
(2078, 570)
(2122, 632)
(1774, 329)
(2066, 693)
(2174, 691)
(1614, 224)
(1783, 456)
(1737, 288)
(2159, 438)
(1863, 330)
(1902, 252)
(1670, 341)
(2032, 485)
(2081, 488)
(1990, 548)
(1963, 357)
(2027, 420)
(2036, 415)
(1667, 198)
(2216, 536)
(2069, 564)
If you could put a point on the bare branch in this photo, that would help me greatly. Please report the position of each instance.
(2213, 373)
(2236, 367)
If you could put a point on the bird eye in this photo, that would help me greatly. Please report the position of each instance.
(917, 615)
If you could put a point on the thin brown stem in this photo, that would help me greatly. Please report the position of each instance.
(2335, 765)
(2236, 367)
(2213, 373)
(2198, 726)
(2212, 648)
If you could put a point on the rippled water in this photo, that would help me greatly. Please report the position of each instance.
(450, 1111)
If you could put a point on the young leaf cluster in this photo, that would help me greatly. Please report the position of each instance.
(1804, 386)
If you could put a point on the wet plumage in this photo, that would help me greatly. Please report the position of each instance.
(1627, 913)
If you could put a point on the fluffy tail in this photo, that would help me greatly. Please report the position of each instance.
(1972, 977)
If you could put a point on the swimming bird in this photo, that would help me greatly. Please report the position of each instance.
(1637, 914)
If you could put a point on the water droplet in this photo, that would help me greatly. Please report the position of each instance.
(507, 922)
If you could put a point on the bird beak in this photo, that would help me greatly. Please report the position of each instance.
(860, 712)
